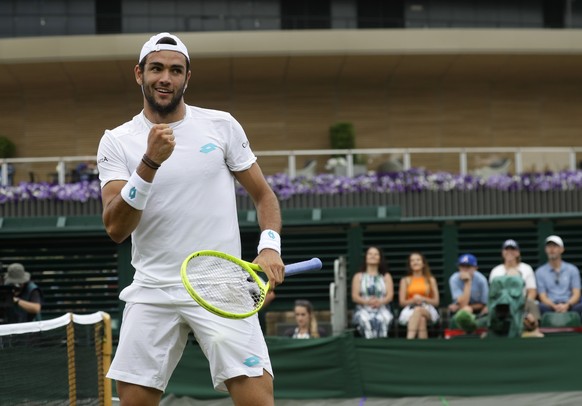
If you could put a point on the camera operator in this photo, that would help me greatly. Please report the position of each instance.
(26, 295)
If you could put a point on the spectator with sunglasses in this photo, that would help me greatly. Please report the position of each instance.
(558, 281)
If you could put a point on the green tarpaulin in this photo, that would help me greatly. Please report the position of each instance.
(348, 367)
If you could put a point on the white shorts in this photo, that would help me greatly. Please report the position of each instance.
(408, 310)
(154, 332)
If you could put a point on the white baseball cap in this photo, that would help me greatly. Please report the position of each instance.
(556, 240)
(172, 44)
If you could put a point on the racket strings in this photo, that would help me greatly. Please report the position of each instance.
(224, 284)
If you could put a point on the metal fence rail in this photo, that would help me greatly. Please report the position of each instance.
(428, 203)
(445, 203)
(413, 204)
(49, 208)
(567, 157)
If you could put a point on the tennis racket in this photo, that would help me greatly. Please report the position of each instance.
(228, 286)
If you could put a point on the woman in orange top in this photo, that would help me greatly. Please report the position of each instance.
(419, 297)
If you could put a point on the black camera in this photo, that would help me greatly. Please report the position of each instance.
(6, 301)
(14, 287)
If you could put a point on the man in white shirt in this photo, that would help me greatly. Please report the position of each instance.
(168, 180)
(512, 266)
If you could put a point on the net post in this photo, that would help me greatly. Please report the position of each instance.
(107, 352)
(71, 361)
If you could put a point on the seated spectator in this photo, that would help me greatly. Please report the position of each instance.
(26, 295)
(470, 290)
(512, 266)
(506, 307)
(85, 171)
(372, 292)
(558, 281)
(306, 322)
(419, 297)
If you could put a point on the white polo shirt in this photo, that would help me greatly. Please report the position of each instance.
(192, 202)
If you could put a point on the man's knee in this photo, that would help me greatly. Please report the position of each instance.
(137, 395)
(251, 391)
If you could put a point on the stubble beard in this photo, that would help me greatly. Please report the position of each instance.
(167, 109)
(553, 257)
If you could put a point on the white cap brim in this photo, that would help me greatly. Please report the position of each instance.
(556, 240)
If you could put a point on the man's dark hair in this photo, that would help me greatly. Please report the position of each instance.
(164, 40)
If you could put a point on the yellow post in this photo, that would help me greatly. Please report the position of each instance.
(71, 362)
(107, 352)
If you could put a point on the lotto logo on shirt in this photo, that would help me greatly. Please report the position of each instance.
(208, 148)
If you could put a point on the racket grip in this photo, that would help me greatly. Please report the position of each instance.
(313, 264)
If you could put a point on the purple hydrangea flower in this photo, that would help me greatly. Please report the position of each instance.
(413, 180)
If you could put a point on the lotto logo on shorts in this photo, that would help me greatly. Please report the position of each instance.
(252, 361)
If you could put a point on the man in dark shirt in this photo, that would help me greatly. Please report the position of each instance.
(25, 295)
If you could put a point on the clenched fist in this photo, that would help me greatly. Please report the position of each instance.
(161, 143)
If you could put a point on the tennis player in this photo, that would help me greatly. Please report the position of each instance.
(168, 180)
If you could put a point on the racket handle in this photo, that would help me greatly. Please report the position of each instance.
(313, 264)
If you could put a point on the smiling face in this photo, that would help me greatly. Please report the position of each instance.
(416, 263)
(163, 81)
(373, 256)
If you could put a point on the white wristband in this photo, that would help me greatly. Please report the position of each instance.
(136, 191)
(270, 239)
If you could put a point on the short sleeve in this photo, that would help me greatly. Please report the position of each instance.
(575, 277)
(456, 291)
(484, 290)
(111, 160)
(528, 276)
(541, 286)
(35, 296)
(495, 272)
(239, 156)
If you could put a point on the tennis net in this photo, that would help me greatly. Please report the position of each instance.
(56, 362)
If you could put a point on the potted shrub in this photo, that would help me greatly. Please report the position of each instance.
(7, 150)
(343, 136)
(7, 147)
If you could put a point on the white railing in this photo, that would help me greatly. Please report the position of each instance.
(60, 169)
(569, 160)
(406, 153)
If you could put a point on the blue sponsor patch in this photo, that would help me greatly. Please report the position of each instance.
(208, 148)
(252, 361)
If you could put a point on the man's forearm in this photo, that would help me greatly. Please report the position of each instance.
(269, 213)
(465, 297)
(27, 306)
(120, 219)
(477, 307)
(531, 294)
